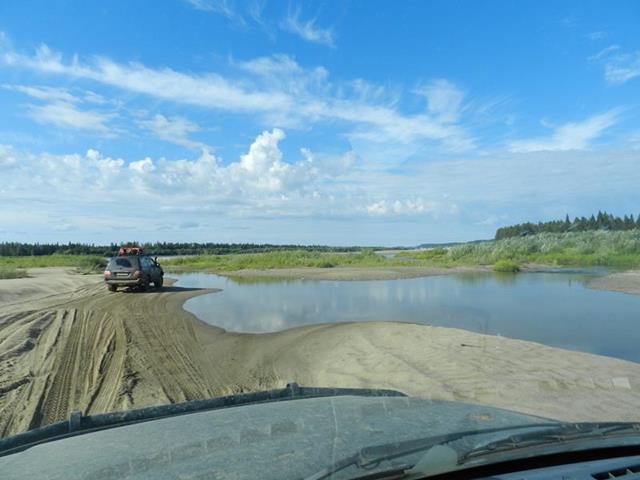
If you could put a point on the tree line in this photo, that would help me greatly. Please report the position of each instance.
(156, 248)
(601, 221)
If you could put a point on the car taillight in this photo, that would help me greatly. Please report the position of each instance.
(136, 274)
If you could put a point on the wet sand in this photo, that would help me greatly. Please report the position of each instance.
(68, 344)
(625, 282)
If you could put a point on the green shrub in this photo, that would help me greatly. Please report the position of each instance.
(91, 264)
(326, 264)
(12, 272)
(506, 266)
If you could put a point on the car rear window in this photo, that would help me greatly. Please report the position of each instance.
(120, 262)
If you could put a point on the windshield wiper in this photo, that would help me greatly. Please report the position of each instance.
(369, 457)
(567, 433)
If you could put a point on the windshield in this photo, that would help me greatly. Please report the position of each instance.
(204, 199)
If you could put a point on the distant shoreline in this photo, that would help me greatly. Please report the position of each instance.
(345, 273)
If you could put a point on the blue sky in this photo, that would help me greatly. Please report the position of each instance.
(362, 122)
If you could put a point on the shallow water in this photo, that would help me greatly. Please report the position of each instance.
(551, 308)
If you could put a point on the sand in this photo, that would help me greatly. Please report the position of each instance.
(350, 273)
(67, 344)
(626, 282)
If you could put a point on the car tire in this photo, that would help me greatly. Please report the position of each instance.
(112, 288)
(158, 283)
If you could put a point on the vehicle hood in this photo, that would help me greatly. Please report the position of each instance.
(285, 439)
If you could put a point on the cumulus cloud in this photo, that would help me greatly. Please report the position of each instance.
(411, 207)
(260, 177)
(142, 167)
(307, 29)
(570, 136)
(95, 191)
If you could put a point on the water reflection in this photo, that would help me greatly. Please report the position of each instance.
(551, 308)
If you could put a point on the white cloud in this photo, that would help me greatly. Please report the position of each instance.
(142, 166)
(7, 157)
(619, 66)
(210, 90)
(260, 178)
(307, 29)
(50, 94)
(279, 91)
(225, 8)
(93, 97)
(570, 136)
(444, 100)
(67, 115)
(411, 207)
(95, 192)
(174, 130)
(62, 109)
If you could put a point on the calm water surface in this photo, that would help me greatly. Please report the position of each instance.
(551, 308)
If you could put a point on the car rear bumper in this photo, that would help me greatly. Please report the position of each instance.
(123, 281)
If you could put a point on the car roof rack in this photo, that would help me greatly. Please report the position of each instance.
(124, 251)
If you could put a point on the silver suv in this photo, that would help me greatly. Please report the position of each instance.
(133, 271)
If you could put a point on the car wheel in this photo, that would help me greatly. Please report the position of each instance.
(158, 283)
(112, 288)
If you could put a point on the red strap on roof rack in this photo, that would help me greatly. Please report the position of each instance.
(129, 251)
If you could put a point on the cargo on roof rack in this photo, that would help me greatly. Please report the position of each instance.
(130, 251)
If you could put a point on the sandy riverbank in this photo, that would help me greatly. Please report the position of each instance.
(351, 273)
(71, 345)
(626, 282)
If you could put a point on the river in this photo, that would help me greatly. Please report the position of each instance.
(553, 308)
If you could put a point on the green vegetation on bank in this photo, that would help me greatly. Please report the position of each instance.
(506, 266)
(619, 249)
(585, 249)
(602, 221)
(12, 272)
(83, 263)
(289, 259)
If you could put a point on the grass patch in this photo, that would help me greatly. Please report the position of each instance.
(12, 272)
(506, 266)
(434, 254)
(84, 263)
(284, 259)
